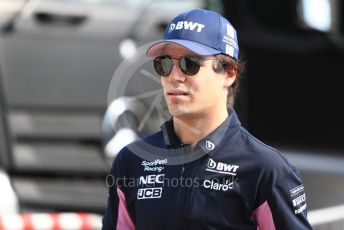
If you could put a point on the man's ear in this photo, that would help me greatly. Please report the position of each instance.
(230, 77)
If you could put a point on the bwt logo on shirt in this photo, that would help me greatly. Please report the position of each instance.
(186, 26)
(220, 167)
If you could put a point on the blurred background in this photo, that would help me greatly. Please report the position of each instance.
(58, 131)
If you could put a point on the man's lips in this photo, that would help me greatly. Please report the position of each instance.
(177, 92)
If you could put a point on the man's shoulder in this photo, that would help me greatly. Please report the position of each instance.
(269, 163)
(145, 143)
(150, 140)
(132, 155)
(262, 153)
(156, 138)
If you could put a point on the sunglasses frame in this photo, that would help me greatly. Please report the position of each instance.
(198, 60)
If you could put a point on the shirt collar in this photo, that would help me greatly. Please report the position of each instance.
(208, 143)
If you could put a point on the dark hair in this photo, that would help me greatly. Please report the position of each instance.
(225, 63)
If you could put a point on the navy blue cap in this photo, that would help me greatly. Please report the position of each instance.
(202, 31)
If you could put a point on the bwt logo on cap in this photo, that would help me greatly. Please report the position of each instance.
(186, 25)
(203, 32)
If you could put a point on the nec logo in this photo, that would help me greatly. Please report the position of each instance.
(152, 179)
(149, 193)
(220, 167)
(186, 26)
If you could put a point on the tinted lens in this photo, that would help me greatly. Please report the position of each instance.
(163, 65)
(189, 65)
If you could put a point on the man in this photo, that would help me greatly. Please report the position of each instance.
(234, 180)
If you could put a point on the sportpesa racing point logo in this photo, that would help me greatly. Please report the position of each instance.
(137, 106)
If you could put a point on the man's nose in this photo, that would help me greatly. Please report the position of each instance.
(176, 74)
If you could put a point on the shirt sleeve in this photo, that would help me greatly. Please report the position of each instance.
(285, 207)
(117, 215)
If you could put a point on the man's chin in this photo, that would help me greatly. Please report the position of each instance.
(179, 111)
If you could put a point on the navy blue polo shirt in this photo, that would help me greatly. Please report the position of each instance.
(229, 180)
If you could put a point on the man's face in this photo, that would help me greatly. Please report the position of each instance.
(196, 95)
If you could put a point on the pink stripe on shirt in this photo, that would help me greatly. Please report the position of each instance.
(124, 221)
(263, 217)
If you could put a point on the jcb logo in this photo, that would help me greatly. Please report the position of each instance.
(149, 193)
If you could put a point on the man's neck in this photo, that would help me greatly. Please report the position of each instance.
(191, 129)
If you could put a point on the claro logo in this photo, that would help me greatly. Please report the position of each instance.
(220, 167)
(210, 184)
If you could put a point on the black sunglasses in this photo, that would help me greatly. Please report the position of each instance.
(189, 65)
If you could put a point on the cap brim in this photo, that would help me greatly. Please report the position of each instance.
(200, 49)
